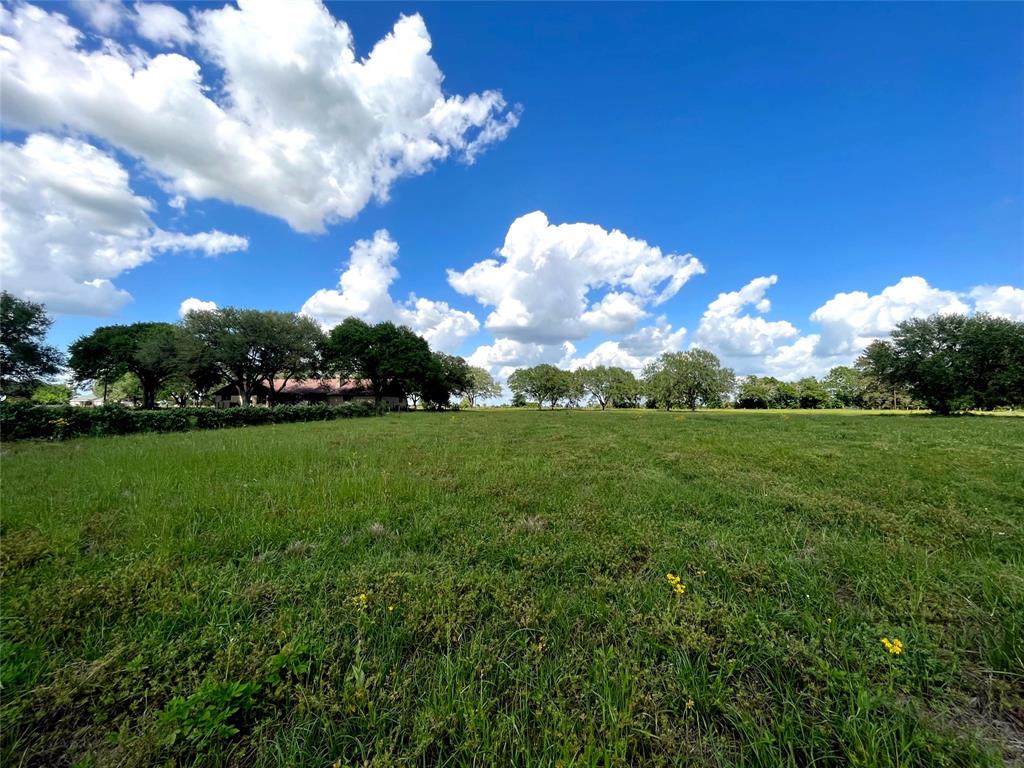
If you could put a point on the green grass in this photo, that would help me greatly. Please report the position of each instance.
(195, 598)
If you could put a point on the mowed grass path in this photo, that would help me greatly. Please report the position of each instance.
(489, 588)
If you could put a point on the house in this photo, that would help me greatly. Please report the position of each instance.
(309, 391)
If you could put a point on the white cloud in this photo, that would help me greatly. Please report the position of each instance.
(505, 355)
(727, 332)
(1002, 301)
(541, 285)
(634, 351)
(847, 323)
(851, 321)
(70, 223)
(281, 116)
(162, 24)
(106, 16)
(363, 291)
(193, 304)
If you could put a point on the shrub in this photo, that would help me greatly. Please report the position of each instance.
(22, 420)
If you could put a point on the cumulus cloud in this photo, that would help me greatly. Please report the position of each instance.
(193, 304)
(634, 351)
(1002, 301)
(364, 291)
(106, 16)
(851, 321)
(846, 324)
(505, 355)
(162, 24)
(278, 114)
(70, 223)
(732, 333)
(542, 282)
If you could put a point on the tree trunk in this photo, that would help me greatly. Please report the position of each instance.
(148, 394)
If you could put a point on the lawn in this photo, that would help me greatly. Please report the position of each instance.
(489, 588)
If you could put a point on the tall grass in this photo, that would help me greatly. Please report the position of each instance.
(490, 589)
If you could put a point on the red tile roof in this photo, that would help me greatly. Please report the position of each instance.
(324, 386)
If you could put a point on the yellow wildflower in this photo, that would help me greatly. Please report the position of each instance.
(894, 646)
(676, 583)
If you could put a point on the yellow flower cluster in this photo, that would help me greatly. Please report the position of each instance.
(676, 583)
(894, 646)
(359, 601)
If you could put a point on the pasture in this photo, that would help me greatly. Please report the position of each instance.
(489, 588)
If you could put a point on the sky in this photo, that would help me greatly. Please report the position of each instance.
(579, 184)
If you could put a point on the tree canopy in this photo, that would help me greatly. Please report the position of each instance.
(147, 350)
(688, 379)
(542, 383)
(391, 357)
(25, 359)
(952, 362)
(609, 385)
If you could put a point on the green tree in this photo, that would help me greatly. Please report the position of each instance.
(688, 379)
(481, 385)
(392, 358)
(24, 357)
(543, 383)
(247, 348)
(447, 375)
(52, 394)
(290, 350)
(811, 393)
(125, 389)
(952, 362)
(146, 350)
(843, 385)
(608, 385)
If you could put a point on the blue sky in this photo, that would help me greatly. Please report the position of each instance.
(869, 157)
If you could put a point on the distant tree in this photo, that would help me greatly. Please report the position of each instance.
(125, 389)
(952, 362)
(767, 392)
(447, 375)
(481, 385)
(146, 350)
(519, 400)
(543, 383)
(52, 394)
(755, 392)
(993, 348)
(24, 357)
(843, 385)
(247, 348)
(688, 379)
(392, 358)
(574, 389)
(609, 385)
(811, 393)
(290, 350)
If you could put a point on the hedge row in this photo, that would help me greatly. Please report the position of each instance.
(21, 421)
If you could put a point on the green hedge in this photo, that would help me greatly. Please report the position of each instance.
(22, 421)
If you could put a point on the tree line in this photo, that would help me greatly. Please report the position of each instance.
(946, 363)
(247, 349)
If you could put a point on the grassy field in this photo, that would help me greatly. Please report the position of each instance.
(490, 589)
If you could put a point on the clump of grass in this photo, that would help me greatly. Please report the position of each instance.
(299, 548)
(533, 524)
(377, 530)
